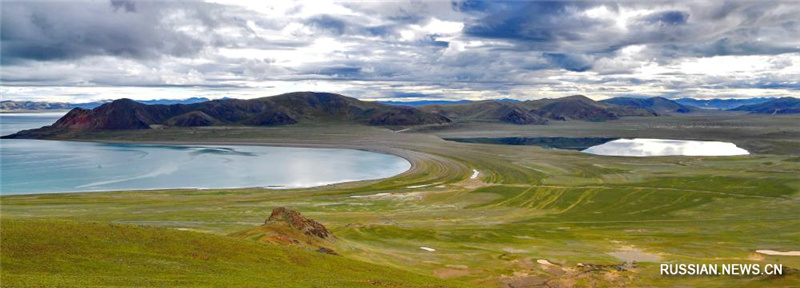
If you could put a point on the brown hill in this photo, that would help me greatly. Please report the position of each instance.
(290, 108)
(192, 119)
(659, 105)
(580, 107)
(508, 112)
(537, 111)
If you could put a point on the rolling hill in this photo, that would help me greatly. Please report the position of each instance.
(285, 109)
(580, 107)
(537, 111)
(720, 104)
(90, 254)
(508, 112)
(659, 105)
(438, 102)
(298, 107)
(423, 102)
(785, 105)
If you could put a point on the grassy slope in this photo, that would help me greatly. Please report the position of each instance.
(529, 204)
(84, 254)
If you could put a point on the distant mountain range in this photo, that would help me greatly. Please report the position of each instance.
(659, 105)
(437, 102)
(10, 105)
(720, 104)
(291, 108)
(786, 105)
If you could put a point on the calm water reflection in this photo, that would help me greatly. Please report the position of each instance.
(35, 166)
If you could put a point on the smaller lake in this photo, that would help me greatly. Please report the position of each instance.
(567, 143)
(643, 147)
(607, 146)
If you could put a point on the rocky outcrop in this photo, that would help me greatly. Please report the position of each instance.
(298, 222)
(289, 227)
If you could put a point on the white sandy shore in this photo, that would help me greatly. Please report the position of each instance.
(778, 253)
(644, 147)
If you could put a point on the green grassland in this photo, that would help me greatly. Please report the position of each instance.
(578, 212)
(105, 255)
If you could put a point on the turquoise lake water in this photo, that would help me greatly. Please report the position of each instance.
(37, 166)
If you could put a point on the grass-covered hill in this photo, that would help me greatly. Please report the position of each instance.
(720, 104)
(54, 253)
(785, 105)
(576, 107)
(298, 107)
(659, 105)
(507, 112)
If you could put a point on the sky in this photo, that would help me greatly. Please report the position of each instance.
(398, 50)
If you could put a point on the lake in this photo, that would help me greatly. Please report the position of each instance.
(608, 146)
(14, 122)
(566, 143)
(37, 166)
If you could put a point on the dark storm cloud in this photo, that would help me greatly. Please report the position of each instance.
(472, 6)
(566, 27)
(502, 47)
(59, 30)
(668, 18)
(536, 22)
(338, 26)
(381, 30)
(727, 46)
(47, 31)
(568, 62)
